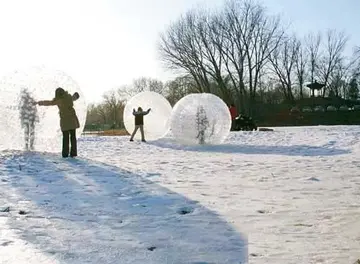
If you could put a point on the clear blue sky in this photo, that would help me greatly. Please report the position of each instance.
(104, 44)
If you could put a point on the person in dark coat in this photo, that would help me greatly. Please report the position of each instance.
(139, 123)
(69, 121)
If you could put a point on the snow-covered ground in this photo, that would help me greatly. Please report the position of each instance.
(288, 196)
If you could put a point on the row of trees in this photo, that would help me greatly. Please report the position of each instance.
(110, 110)
(244, 51)
(245, 56)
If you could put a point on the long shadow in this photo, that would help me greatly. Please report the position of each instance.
(81, 211)
(294, 150)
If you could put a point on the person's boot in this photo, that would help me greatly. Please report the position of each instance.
(65, 151)
(73, 143)
(65, 144)
(73, 150)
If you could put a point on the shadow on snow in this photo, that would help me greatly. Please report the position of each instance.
(294, 150)
(82, 211)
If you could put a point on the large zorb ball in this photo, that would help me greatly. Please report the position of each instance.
(157, 122)
(27, 126)
(201, 118)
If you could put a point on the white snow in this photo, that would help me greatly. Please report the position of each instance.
(288, 196)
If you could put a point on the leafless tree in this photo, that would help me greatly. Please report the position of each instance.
(148, 84)
(257, 35)
(354, 62)
(92, 116)
(97, 114)
(228, 47)
(313, 42)
(180, 48)
(139, 85)
(240, 53)
(213, 41)
(337, 81)
(231, 25)
(114, 106)
(180, 87)
(332, 56)
(283, 61)
(300, 67)
(344, 71)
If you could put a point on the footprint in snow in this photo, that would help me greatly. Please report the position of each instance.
(313, 179)
(6, 243)
(185, 210)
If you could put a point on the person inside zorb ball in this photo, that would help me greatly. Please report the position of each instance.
(27, 126)
(139, 123)
(28, 117)
(155, 124)
(200, 119)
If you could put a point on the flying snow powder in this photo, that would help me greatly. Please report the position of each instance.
(157, 122)
(25, 125)
(201, 118)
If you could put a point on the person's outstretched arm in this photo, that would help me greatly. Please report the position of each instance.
(135, 113)
(47, 102)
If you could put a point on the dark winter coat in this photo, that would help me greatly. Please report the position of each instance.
(139, 117)
(68, 117)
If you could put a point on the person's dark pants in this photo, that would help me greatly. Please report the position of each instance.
(69, 135)
(233, 124)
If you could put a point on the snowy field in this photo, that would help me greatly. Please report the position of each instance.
(288, 196)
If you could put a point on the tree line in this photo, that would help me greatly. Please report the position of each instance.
(109, 112)
(246, 56)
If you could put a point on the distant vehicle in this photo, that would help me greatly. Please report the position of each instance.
(244, 123)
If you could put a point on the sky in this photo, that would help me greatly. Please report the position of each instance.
(104, 44)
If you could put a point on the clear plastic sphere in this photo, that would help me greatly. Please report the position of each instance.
(156, 123)
(24, 124)
(201, 118)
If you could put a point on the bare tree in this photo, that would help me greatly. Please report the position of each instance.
(224, 47)
(103, 113)
(263, 37)
(92, 116)
(213, 40)
(180, 87)
(283, 60)
(354, 63)
(337, 81)
(125, 92)
(114, 106)
(180, 48)
(231, 25)
(313, 48)
(148, 84)
(333, 55)
(250, 36)
(139, 85)
(300, 66)
(226, 53)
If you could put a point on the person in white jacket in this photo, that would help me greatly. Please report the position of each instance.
(29, 117)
